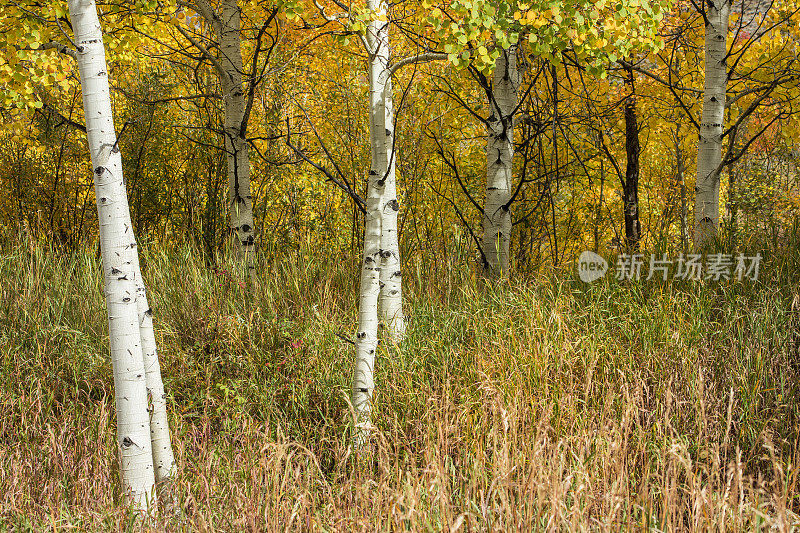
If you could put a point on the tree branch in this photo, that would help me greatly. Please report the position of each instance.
(419, 58)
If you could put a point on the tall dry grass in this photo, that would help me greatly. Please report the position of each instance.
(536, 405)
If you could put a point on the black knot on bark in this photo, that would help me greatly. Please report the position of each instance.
(394, 205)
(369, 260)
(126, 299)
(385, 254)
(373, 173)
(388, 132)
(99, 170)
(397, 274)
(127, 442)
(245, 228)
(361, 335)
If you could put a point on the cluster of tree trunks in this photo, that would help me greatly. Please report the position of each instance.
(143, 434)
(143, 438)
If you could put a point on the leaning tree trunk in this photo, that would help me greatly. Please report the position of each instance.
(237, 150)
(380, 273)
(163, 458)
(633, 228)
(119, 256)
(499, 157)
(709, 146)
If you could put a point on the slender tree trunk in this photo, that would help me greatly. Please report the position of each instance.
(499, 160)
(633, 228)
(380, 228)
(236, 148)
(391, 297)
(163, 458)
(709, 146)
(120, 263)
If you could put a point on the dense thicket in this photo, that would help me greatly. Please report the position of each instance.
(306, 80)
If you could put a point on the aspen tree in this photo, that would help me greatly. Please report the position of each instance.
(545, 29)
(380, 296)
(237, 150)
(709, 145)
(504, 101)
(380, 268)
(225, 21)
(163, 458)
(120, 259)
(391, 296)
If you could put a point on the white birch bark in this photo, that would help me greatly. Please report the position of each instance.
(119, 259)
(380, 273)
(240, 199)
(709, 146)
(499, 158)
(163, 458)
(391, 297)
(367, 336)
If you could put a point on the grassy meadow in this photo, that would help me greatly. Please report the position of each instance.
(536, 404)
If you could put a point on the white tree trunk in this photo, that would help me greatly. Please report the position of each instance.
(499, 159)
(709, 146)
(367, 336)
(119, 259)
(380, 274)
(163, 458)
(240, 199)
(391, 297)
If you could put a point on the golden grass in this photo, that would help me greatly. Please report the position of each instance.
(525, 406)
